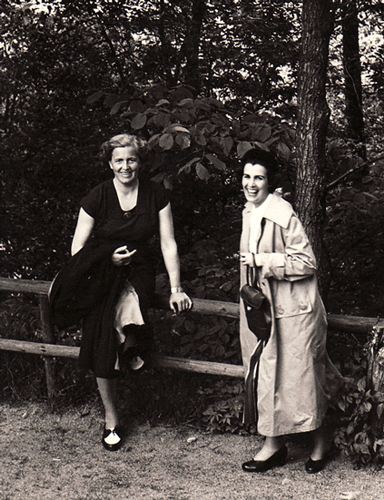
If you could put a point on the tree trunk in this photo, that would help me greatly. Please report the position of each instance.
(375, 357)
(192, 45)
(313, 117)
(352, 76)
(165, 47)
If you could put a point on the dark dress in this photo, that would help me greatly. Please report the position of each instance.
(89, 285)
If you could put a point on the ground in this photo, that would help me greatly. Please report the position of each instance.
(48, 454)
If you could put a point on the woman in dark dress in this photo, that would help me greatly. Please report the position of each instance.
(110, 280)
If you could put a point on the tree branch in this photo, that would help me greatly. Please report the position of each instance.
(111, 47)
(352, 171)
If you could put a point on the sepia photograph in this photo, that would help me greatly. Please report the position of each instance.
(191, 250)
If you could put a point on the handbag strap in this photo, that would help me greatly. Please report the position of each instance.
(250, 276)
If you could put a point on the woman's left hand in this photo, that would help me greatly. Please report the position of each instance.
(180, 302)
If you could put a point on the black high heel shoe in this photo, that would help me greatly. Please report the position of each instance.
(277, 459)
(315, 466)
(114, 439)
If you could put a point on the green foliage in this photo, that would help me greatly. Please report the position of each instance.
(225, 412)
(361, 432)
(19, 319)
(199, 135)
(358, 415)
(354, 239)
(21, 376)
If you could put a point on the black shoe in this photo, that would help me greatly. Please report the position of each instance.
(136, 357)
(275, 460)
(314, 466)
(114, 435)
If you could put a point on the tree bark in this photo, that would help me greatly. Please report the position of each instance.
(192, 45)
(165, 47)
(352, 76)
(313, 117)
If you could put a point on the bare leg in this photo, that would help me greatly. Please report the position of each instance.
(108, 392)
(271, 446)
(320, 443)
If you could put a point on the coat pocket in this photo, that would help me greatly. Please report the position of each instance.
(291, 299)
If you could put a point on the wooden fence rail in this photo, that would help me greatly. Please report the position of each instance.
(49, 348)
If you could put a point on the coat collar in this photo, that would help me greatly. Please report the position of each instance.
(278, 210)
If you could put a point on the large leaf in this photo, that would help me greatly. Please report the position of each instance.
(183, 140)
(186, 103)
(202, 172)
(139, 121)
(284, 151)
(160, 119)
(243, 147)
(220, 165)
(116, 108)
(187, 167)
(166, 142)
(159, 177)
(227, 143)
(264, 133)
(95, 97)
(137, 106)
(200, 139)
(154, 139)
(175, 127)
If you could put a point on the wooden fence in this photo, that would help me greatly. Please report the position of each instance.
(49, 349)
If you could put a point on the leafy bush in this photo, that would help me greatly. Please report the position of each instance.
(224, 413)
(360, 424)
(360, 434)
(21, 375)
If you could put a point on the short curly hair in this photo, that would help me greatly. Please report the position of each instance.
(121, 141)
(266, 159)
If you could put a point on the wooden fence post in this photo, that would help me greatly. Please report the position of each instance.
(48, 337)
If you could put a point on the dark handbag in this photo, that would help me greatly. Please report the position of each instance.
(257, 308)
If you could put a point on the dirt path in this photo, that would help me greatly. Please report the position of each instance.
(59, 456)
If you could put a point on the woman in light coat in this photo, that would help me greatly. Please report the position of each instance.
(288, 378)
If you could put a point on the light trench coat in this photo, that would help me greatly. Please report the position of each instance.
(289, 386)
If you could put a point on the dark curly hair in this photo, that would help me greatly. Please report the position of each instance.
(264, 158)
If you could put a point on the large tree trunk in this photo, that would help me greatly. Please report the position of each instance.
(313, 117)
(192, 45)
(352, 73)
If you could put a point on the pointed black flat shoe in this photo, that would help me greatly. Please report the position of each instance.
(112, 439)
(314, 466)
(134, 359)
(275, 460)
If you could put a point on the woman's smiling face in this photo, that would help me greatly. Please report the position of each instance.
(125, 164)
(255, 183)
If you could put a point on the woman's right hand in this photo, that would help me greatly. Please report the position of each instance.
(247, 259)
(122, 256)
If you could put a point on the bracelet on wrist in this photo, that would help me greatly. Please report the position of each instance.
(176, 289)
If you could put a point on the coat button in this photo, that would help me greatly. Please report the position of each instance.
(280, 310)
(303, 307)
